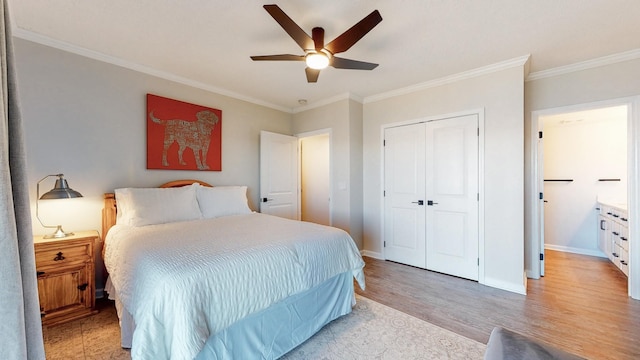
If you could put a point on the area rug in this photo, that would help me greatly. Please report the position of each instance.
(371, 331)
(375, 331)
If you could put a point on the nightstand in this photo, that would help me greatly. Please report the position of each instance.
(65, 268)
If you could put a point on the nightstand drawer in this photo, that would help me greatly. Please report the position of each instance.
(63, 255)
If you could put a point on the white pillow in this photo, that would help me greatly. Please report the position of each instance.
(148, 206)
(222, 201)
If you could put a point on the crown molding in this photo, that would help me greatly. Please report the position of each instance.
(61, 45)
(503, 65)
(585, 65)
(519, 61)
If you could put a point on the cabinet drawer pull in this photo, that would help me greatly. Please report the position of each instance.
(623, 219)
(83, 287)
(615, 255)
(623, 262)
(616, 215)
(623, 238)
(38, 273)
(59, 257)
(615, 233)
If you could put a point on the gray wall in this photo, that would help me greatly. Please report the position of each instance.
(344, 118)
(500, 96)
(598, 84)
(86, 119)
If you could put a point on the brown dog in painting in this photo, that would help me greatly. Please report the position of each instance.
(195, 135)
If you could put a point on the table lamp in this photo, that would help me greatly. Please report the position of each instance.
(61, 190)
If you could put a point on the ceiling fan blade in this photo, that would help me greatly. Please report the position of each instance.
(341, 63)
(296, 33)
(312, 74)
(317, 33)
(281, 57)
(356, 32)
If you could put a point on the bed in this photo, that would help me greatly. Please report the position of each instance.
(196, 274)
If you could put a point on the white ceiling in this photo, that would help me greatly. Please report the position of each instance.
(208, 42)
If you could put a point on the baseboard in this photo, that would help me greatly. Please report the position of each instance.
(503, 285)
(573, 250)
(372, 254)
(499, 284)
(529, 274)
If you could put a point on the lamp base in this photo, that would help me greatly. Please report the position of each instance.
(58, 234)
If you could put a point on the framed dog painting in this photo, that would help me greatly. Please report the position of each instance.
(183, 136)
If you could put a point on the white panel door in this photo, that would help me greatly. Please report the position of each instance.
(452, 196)
(279, 175)
(404, 177)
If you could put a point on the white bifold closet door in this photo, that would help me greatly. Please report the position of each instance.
(431, 195)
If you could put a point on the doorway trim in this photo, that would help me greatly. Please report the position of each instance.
(479, 112)
(300, 136)
(633, 174)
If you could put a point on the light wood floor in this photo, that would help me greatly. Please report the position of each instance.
(581, 305)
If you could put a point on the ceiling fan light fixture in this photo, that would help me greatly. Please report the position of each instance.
(317, 60)
(317, 55)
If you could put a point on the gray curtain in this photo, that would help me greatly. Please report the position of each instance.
(20, 328)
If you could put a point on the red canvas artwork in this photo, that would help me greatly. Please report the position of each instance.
(183, 136)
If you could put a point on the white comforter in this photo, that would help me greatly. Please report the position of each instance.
(183, 282)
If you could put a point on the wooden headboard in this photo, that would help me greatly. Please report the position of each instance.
(110, 209)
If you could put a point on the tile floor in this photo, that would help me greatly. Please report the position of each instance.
(94, 337)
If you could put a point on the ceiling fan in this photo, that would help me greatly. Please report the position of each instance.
(318, 55)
